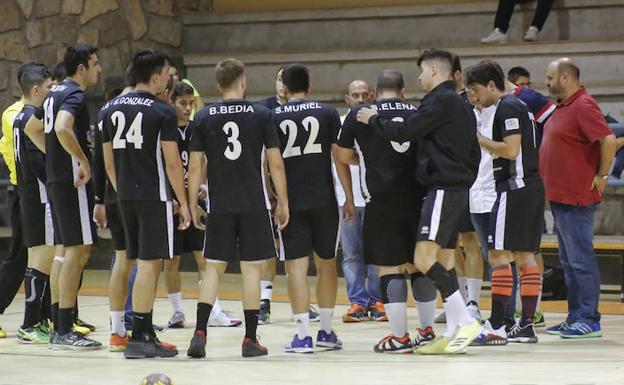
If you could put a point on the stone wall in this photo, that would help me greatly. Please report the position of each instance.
(42, 30)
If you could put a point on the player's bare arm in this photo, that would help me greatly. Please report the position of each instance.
(196, 174)
(175, 173)
(508, 148)
(342, 158)
(278, 176)
(64, 127)
(34, 131)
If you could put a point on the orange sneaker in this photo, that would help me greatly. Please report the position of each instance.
(117, 343)
(395, 345)
(356, 313)
(378, 312)
(167, 345)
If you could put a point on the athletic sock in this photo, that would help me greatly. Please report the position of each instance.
(474, 290)
(529, 290)
(266, 290)
(141, 325)
(446, 282)
(216, 307)
(34, 287)
(326, 315)
(55, 316)
(538, 307)
(302, 321)
(451, 321)
(46, 304)
(65, 320)
(176, 302)
(203, 313)
(394, 294)
(117, 323)
(502, 285)
(463, 289)
(425, 296)
(251, 323)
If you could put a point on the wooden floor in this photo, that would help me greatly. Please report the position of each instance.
(552, 361)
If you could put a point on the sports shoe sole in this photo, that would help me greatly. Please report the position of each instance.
(176, 325)
(299, 350)
(458, 343)
(328, 345)
(117, 348)
(59, 347)
(27, 341)
(500, 342)
(523, 340)
(588, 335)
(196, 351)
(350, 320)
(398, 351)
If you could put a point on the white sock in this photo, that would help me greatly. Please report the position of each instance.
(397, 317)
(302, 320)
(266, 290)
(451, 322)
(456, 309)
(117, 323)
(176, 302)
(216, 308)
(426, 313)
(326, 315)
(518, 295)
(539, 296)
(474, 289)
(462, 288)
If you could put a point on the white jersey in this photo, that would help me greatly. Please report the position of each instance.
(483, 191)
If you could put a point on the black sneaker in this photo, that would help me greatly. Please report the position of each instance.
(73, 341)
(264, 316)
(198, 345)
(253, 348)
(524, 334)
(147, 347)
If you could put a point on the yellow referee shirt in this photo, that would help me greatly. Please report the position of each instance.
(6, 142)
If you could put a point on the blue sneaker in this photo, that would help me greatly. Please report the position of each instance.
(557, 329)
(582, 330)
(300, 345)
(328, 340)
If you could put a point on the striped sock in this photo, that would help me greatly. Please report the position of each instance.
(530, 282)
(502, 284)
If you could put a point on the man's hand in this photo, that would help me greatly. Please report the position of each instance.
(348, 211)
(198, 215)
(203, 191)
(99, 216)
(84, 174)
(282, 215)
(365, 114)
(599, 183)
(185, 217)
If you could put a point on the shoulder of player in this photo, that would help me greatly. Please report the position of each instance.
(511, 104)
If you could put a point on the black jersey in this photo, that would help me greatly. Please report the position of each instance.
(136, 123)
(512, 117)
(65, 96)
(271, 102)
(386, 167)
(307, 130)
(233, 135)
(29, 160)
(104, 191)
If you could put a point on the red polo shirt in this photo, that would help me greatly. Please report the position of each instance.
(570, 151)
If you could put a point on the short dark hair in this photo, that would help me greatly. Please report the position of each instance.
(484, 72)
(456, 63)
(437, 55)
(390, 80)
(147, 62)
(32, 74)
(23, 66)
(296, 78)
(77, 54)
(58, 72)
(227, 71)
(569, 68)
(181, 89)
(516, 73)
(129, 78)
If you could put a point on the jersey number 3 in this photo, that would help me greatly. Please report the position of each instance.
(234, 146)
(134, 134)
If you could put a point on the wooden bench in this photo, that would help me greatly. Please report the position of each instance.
(606, 246)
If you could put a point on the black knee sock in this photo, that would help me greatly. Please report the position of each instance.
(66, 320)
(423, 289)
(141, 325)
(55, 316)
(251, 323)
(203, 313)
(34, 287)
(46, 304)
(444, 280)
(393, 288)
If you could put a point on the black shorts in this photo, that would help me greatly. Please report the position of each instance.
(517, 219)
(251, 232)
(390, 228)
(186, 241)
(72, 210)
(312, 230)
(440, 216)
(36, 218)
(465, 222)
(148, 227)
(115, 224)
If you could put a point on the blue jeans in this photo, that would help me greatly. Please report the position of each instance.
(575, 230)
(131, 278)
(355, 270)
(481, 222)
